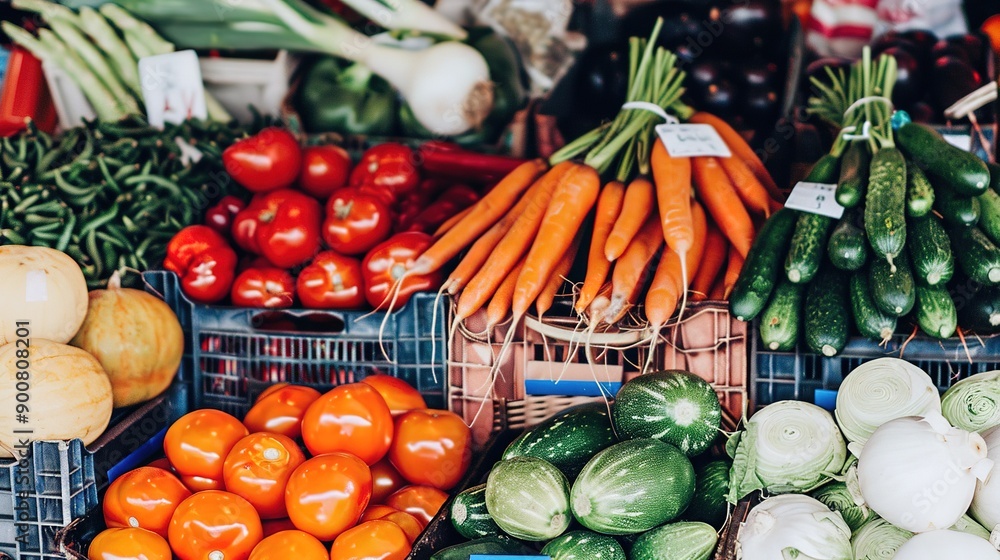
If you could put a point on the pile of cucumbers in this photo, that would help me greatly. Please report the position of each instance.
(918, 244)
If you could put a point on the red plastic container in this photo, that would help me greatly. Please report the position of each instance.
(25, 95)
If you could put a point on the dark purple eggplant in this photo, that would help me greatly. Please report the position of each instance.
(947, 48)
(952, 79)
(760, 106)
(602, 81)
(910, 80)
(759, 73)
(891, 39)
(682, 22)
(719, 98)
(747, 26)
(922, 38)
(706, 71)
(974, 46)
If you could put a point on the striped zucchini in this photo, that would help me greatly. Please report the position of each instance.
(676, 541)
(885, 217)
(469, 514)
(528, 498)
(583, 545)
(567, 439)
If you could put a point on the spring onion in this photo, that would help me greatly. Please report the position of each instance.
(878, 540)
(936, 545)
(986, 503)
(973, 403)
(793, 526)
(838, 497)
(113, 47)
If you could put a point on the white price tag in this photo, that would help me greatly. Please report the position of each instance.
(172, 88)
(691, 140)
(815, 198)
(963, 141)
(36, 286)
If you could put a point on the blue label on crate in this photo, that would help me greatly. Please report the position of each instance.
(544, 378)
(544, 387)
(139, 457)
(825, 398)
(507, 556)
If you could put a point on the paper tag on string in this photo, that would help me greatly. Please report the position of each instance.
(172, 88)
(815, 198)
(961, 141)
(692, 140)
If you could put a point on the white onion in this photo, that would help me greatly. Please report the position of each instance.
(945, 544)
(793, 526)
(986, 503)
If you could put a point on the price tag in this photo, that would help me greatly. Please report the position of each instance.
(691, 140)
(172, 88)
(962, 141)
(815, 198)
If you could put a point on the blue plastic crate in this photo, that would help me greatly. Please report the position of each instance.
(4, 57)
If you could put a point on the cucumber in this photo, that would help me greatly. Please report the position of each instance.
(469, 515)
(960, 171)
(826, 309)
(989, 215)
(871, 321)
(760, 271)
(779, 324)
(981, 311)
(885, 216)
(957, 210)
(711, 487)
(583, 545)
(930, 251)
(853, 175)
(495, 545)
(892, 291)
(676, 407)
(847, 248)
(936, 312)
(632, 487)
(528, 498)
(567, 439)
(978, 257)
(676, 541)
(919, 192)
(994, 176)
(805, 253)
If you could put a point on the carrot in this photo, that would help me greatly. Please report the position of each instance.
(716, 250)
(669, 280)
(673, 195)
(483, 215)
(555, 281)
(574, 197)
(636, 207)
(738, 145)
(627, 278)
(601, 301)
(499, 306)
(450, 222)
(721, 201)
(513, 246)
(732, 272)
(718, 292)
(609, 206)
(750, 190)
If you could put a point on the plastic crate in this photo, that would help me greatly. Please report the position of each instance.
(548, 368)
(235, 353)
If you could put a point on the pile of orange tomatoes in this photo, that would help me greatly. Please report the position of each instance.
(355, 473)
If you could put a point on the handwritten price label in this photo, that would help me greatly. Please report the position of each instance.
(172, 88)
(815, 198)
(692, 140)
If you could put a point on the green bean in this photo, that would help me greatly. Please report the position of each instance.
(65, 237)
(107, 175)
(13, 237)
(100, 220)
(26, 203)
(93, 252)
(69, 189)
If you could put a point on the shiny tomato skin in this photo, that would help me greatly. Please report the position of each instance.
(324, 170)
(272, 526)
(258, 468)
(128, 544)
(289, 545)
(331, 281)
(327, 494)
(198, 442)
(431, 448)
(288, 227)
(214, 521)
(267, 161)
(372, 539)
(145, 497)
(351, 418)
(422, 502)
(263, 287)
(410, 525)
(376, 511)
(385, 480)
(279, 410)
(201, 483)
(389, 165)
(385, 265)
(162, 463)
(398, 394)
(355, 222)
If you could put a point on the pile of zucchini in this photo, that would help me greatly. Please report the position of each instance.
(913, 211)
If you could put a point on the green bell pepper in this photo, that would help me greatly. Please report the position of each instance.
(337, 96)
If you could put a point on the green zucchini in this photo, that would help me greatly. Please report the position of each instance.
(960, 171)
(826, 310)
(496, 545)
(760, 271)
(469, 515)
(936, 312)
(892, 290)
(994, 176)
(957, 210)
(871, 321)
(989, 215)
(981, 311)
(567, 439)
(806, 250)
(885, 216)
(978, 257)
(676, 541)
(930, 251)
(709, 503)
(583, 545)
(853, 175)
(528, 498)
(848, 248)
(919, 192)
(780, 322)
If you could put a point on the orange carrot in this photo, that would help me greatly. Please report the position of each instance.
(669, 280)
(750, 190)
(484, 214)
(738, 145)
(718, 292)
(574, 197)
(732, 272)
(601, 301)
(499, 306)
(450, 222)
(673, 195)
(716, 250)
(609, 206)
(628, 276)
(721, 201)
(636, 207)
(513, 246)
(555, 281)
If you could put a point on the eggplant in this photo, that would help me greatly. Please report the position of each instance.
(748, 26)
(759, 73)
(681, 21)
(945, 48)
(923, 40)
(719, 98)
(760, 106)
(974, 46)
(891, 39)
(602, 81)
(705, 71)
(910, 80)
(952, 79)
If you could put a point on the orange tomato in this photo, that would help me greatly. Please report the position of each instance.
(295, 545)
(327, 494)
(422, 502)
(258, 468)
(370, 540)
(272, 526)
(992, 28)
(145, 497)
(376, 511)
(431, 448)
(200, 483)
(351, 418)
(409, 524)
(129, 543)
(279, 410)
(214, 521)
(398, 394)
(162, 463)
(271, 389)
(198, 442)
(385, 480)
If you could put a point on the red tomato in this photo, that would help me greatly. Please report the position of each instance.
(331, 281)
(372, 539)
(213, 521)
(384, 195)
(388, 165)
(267, 161)
(431, 447)
(290, 545)
(422, 502)
(272, 526)
(288, 227)
(198, 442)
(280, 408)
(145, 497)
(327, 494)
(204, 262)
(264, 287)
(128, 544)
(385, 480)
(258, 468)
(355, 222)
(324, 170)
(398, 394)
(352, 418)
(220, 217)
(244, 227)
(388, 261)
